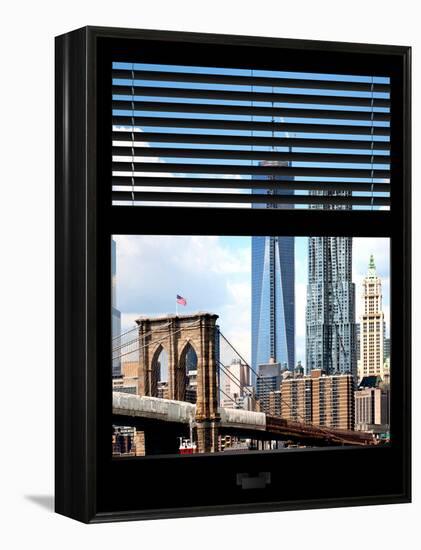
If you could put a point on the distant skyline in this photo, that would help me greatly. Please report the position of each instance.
(214, 274)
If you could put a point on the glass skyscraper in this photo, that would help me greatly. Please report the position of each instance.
(330, 314)
(273, 294)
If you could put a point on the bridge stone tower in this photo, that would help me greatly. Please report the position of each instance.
(176, 334)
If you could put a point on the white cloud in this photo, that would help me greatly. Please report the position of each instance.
(214, 277)
(128, 321)
(236, 320)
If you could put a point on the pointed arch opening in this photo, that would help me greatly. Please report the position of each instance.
(188, 373)
(159, 373)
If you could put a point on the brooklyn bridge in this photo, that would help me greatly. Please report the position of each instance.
(164, 413)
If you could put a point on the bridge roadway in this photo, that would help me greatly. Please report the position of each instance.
(129, 409)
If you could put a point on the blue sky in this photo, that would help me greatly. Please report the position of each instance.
(214, 274)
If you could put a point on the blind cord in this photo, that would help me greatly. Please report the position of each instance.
(372, 142)
(132, 134)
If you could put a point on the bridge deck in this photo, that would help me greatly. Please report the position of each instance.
(126, 404)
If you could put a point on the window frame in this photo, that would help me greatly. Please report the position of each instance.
(87, 480)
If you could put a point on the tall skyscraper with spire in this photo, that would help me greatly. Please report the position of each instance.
(372, 325)
(330, 313)
(273, 291)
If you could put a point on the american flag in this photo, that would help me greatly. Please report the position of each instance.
(180, 300)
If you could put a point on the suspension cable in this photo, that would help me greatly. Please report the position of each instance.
(157, 341)
(236, 381)
(322, 428)
(135, 328)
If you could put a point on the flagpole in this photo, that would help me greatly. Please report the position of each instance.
(176, 307)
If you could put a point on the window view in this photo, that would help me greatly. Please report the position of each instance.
(238, 344)
(236, 137)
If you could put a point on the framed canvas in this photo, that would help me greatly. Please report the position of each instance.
(233, 322)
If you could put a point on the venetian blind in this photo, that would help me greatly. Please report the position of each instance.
(201, 136)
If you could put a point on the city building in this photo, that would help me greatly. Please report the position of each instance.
(128, 441)
(115, 313)
(275, 403)
(273, 290)
(299, 370)
(386, 352)
(296, 399)
(386, 371)
(236, 383)
(191, 377)
(330, 312)
(268, 380)
(372, 326)
(358, 348)
(358, 340)
(320, 399)
(372, 406)
(127, 381)
(247, 401)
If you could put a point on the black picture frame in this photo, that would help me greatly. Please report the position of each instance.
(89, 485)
